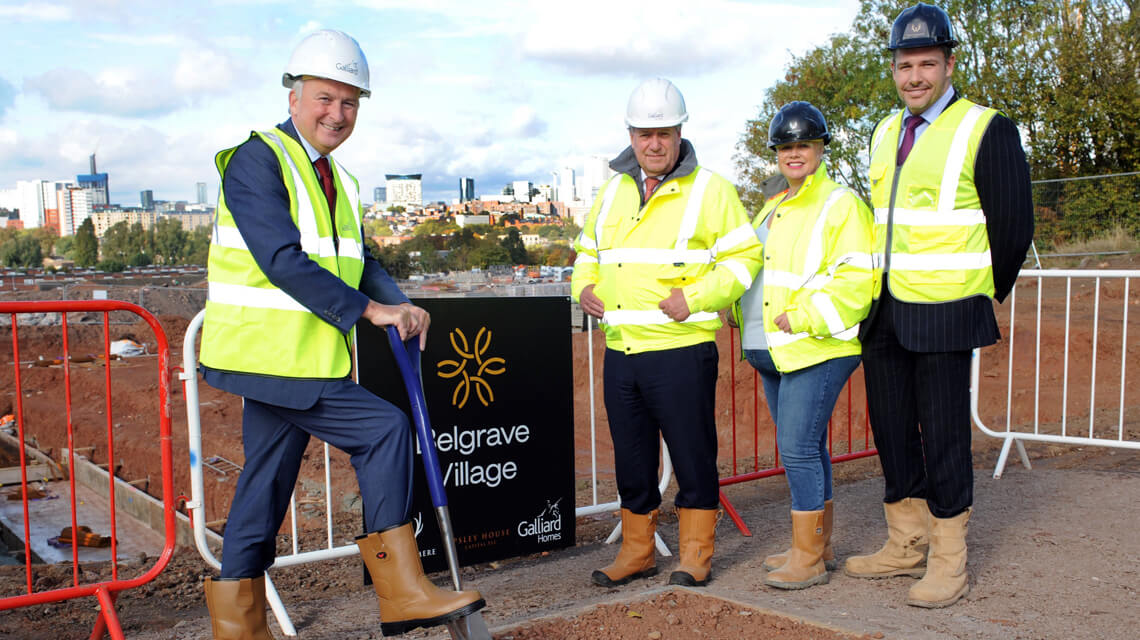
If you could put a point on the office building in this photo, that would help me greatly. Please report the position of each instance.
(146, 200)
(379, 194)
(97, 184)
(563, 185)
(201, 193)
(596, 172)
(522, 190)
(466, 189)
(74, 208)
(405, 190)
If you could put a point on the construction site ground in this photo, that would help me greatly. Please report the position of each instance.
(1053, 554)
(1053, 550)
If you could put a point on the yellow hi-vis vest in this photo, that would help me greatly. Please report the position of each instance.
(928, 209)
(252, 326)
(817, 269)
(692, 234)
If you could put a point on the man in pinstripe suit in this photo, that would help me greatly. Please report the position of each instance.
(953, 221)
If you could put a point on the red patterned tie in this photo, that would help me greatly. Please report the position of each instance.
(912, 123)
(651, 185)
(323, 170)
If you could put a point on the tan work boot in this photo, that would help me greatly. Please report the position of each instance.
(698, 536)
(407, 598)
(904, 553)
(804, 566)
(237, 608)
(636, 558)
(777, 560)
(946, 581)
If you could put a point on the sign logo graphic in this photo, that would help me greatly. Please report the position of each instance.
(482, 367)
(546, 526)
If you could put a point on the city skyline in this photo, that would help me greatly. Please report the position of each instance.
(497, 92)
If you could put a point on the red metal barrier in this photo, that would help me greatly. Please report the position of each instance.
(105, 592)
(756, 473)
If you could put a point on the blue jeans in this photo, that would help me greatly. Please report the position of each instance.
(801, 403)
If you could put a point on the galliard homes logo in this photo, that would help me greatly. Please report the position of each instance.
(546, 526)
(471, 368)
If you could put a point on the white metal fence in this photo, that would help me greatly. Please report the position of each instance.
(1066, 362)
(196, 505)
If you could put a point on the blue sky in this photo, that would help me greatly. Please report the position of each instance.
(497, 90)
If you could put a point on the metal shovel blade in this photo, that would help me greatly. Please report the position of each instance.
(470, 627)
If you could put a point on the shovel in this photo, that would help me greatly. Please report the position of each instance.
(471, 626)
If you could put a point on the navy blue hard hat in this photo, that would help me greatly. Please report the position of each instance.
(796, 122)
(923, 25)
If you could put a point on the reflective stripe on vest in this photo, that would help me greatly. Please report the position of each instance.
(812, 278)
(939, 245)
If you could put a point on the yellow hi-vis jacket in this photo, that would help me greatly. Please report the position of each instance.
(692, 234)
(251, 325)
(817, 269)
(928, 209)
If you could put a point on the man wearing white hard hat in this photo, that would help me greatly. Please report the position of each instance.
(289, 277)
(666, 245)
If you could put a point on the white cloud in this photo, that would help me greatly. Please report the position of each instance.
(121, 92)
(525, 123)
(308, 27)
(36, 11)
(141, 40)
(670, 37)
(204, 70)
(137, 91)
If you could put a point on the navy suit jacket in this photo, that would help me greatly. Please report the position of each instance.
(1001, 177)
(256, 196)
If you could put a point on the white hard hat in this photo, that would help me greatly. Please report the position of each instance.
(655, 103)
(329, 54)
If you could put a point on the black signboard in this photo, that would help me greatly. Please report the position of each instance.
(497, 378)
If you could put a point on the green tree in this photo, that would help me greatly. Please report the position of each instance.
(47, 237)
(111, 266)
(516, 250)
(22, 250)
(197, 247)
(1063, 70)
(487, 254)
(65, 246)
(117, 243)
(86, 247)
(435, 227)
(396, 262)
(374, 227)
(169, 240)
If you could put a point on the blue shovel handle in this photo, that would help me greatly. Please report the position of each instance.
(419, 416)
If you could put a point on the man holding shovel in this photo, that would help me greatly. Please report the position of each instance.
(289, 277)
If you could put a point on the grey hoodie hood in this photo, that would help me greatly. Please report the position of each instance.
(626, 163)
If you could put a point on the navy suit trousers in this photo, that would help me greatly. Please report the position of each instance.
(668, 394)
(376, 435)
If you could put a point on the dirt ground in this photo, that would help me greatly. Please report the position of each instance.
(1052, 550)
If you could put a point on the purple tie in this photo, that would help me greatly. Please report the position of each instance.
(323, 170)
(912, 123)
